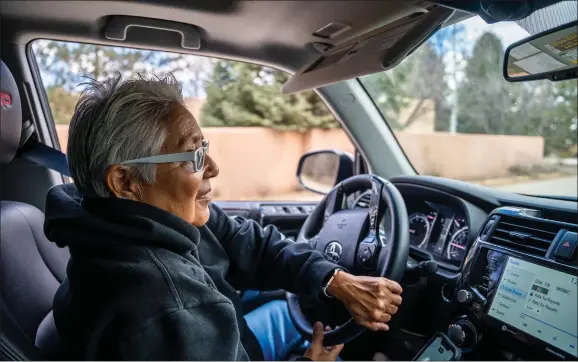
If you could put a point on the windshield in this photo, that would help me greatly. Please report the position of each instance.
(455, 116)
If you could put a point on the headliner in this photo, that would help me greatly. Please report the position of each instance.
(275, 33)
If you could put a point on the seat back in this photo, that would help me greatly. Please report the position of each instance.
(31, 267)
(48, 340)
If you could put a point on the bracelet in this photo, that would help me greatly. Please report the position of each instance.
(324, 288)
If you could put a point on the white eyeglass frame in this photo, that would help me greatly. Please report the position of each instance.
(197, 157)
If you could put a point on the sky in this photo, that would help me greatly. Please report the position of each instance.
(509, 32)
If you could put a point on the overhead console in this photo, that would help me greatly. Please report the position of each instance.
(519, 289)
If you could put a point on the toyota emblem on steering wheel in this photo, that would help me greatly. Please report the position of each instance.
(333, 251)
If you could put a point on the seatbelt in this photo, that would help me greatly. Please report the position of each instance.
(45, 156)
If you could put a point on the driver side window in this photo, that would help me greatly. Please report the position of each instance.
(257, 134)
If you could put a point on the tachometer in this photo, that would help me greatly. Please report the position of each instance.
(418, 229)
(458, 244)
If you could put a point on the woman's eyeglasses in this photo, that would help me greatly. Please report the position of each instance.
(196, 157)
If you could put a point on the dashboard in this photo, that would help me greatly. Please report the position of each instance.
(502, 290)
(499, 287)
(520, 284)
(442, 226)
(439, 229)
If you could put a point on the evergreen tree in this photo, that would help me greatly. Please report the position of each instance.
(420, 77)
(66, 65)
(243, 94)
(483, 98)
(490, 105)
(62, 104)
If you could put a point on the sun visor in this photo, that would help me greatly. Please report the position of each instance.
(373, 52)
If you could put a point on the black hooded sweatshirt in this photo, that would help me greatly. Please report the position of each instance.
(143, 284)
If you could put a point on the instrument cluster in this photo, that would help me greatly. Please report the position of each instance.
(441, 230)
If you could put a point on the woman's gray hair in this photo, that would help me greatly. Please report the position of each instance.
(117, 120)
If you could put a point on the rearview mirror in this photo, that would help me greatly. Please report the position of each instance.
(548, 55)
(319, 171)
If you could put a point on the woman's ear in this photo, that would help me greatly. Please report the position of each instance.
(121, 183)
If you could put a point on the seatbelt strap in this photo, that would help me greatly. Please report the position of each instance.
(45, 156)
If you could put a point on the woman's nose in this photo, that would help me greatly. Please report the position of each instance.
(211, 169)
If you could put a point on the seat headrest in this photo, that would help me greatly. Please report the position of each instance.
(10, 115)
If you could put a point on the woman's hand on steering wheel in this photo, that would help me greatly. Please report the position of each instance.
(365, 241)
(371, 301)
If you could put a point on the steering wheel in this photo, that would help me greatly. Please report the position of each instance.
(352, 239)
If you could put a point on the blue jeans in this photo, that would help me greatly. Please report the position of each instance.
(275, 332)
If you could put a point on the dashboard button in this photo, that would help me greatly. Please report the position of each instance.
(464, 296)
(566, 246)
(483, 289)
(456, 334)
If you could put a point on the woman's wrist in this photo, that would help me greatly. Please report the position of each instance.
(334, 288)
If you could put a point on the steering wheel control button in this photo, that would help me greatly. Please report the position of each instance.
(566, 246)
(464, 296)
(365, 255)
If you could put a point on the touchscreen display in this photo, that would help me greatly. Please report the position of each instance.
(539, 301)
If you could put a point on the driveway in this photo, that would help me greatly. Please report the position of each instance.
(566, 186)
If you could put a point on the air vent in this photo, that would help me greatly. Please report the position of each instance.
(363, 201)
(528, 235)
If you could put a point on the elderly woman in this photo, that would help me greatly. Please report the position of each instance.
(155, 267)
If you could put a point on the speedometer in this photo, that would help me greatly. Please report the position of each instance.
(418, 229)
(458, 244)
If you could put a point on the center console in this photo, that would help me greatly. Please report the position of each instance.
(519, 290)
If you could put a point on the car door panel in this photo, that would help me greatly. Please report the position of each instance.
(287, 216)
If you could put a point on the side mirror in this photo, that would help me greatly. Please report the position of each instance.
(319, 171)
(546, 55)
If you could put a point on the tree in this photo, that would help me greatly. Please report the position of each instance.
(564, 114)
(483, 98)
(427, 81)
(549, 110)
(67, 64)
(243, 94)
(450, 42)
(420, 77)
(490, 105)
(192, 71)
(62, 104)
